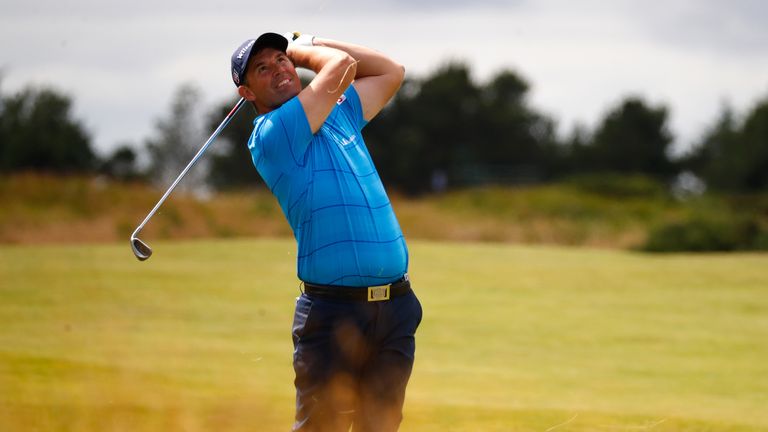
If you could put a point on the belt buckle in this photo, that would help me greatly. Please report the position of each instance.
(378, 293)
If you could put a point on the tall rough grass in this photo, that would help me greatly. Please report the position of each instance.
(614, 212)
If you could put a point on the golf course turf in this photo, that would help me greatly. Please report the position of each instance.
(514, 338)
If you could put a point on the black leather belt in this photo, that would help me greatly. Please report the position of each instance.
(371, 294)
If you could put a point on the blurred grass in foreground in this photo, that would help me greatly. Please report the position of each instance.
(513, 339)
(604, 211)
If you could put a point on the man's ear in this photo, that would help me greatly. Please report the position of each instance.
(246, 93)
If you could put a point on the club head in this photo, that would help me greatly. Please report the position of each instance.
(140, 249)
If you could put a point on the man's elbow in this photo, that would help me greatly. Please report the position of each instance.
(399, 73)
(395, 76)
(344, 68)
(347, 60)
(349, 64)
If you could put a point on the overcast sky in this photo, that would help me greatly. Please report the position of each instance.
(122, 60)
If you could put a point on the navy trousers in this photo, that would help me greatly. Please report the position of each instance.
(352, 361)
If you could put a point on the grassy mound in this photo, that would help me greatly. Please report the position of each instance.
(608, 212)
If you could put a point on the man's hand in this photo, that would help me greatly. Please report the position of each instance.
(298, 38)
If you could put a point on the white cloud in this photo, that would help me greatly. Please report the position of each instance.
(122, 60)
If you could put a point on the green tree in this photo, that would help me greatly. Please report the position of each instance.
(733, 154)
(571, 154)
(515, 143)
(177, 139)
(633, 138)
(121, 164)
(399, 144)
(754, 142)
(447, 126)
(231, 163)
(39, 132)
(713, 158)
(506, 136)
(444, 110)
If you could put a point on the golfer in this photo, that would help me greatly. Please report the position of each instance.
(355, 320)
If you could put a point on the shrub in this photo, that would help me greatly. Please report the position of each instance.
(700, 233)
(618, 185)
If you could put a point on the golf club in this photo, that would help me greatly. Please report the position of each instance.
(141, 249)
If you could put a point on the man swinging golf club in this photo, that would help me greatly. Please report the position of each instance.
(354, 323)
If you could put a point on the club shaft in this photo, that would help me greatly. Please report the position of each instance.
(197, 156)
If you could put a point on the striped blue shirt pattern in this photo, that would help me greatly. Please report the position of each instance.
(331, 195)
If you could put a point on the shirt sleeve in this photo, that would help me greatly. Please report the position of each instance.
(355, 107)
(282, 136)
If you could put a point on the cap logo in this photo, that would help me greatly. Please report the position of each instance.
(245, 48)
(236, 77)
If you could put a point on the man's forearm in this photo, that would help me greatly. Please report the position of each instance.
(314, 59)
(335, 71)
(377, 77)
(370, 62)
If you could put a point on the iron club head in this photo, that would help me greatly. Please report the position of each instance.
(140, 249)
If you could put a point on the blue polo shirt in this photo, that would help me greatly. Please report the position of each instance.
(331, 194)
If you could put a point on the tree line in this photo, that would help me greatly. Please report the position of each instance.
(441, 131)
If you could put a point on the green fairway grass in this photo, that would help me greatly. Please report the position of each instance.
(513, 339)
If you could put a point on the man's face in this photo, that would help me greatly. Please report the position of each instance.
(271, 80)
